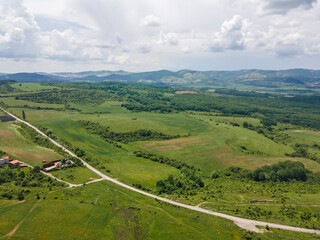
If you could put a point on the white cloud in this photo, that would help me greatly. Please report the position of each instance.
(150, 21)
(18, 31)
(232, 35)
(170, 38)
(119, 34)
(118, 60)
(186, 50)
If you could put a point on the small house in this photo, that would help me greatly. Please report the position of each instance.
(50, 166)
(23, 165)
(4, 160)
(14, 163)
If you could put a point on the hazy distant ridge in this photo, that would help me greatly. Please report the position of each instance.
(242, 79)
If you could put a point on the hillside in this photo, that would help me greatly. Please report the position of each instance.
(287, 81)
(245, 154)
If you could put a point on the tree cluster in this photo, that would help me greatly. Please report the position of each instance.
(187, 183)
(124, 137)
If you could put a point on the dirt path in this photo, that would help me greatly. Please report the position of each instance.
(9, 235)
(13, 204)
(247, 224)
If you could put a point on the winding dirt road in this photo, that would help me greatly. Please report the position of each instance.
(247, 224)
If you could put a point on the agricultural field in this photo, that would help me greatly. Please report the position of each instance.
(12, 142)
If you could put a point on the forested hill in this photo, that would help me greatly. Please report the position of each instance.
(291, 81)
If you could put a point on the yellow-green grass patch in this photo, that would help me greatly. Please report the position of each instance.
(32, 86)
(75, 175)
(303, 136)
(11, 215)
(225, 146)
(12, 142)
(12, 102)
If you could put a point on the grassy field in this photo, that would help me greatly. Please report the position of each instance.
(172, 124)
(12, 102)
(12, 142)
(120, 163)
(75, 175)
(11, 214)
(305, 136)
(120, 120)
(32, 87)
(105, 211)
(224, 146)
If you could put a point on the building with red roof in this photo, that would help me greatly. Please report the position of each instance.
(4, 160)
(14, 163)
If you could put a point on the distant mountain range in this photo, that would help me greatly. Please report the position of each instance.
(303, 80)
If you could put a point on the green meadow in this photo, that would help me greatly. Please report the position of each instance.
(76, 175)
(18, 147)
(12, 142)
(224, 146)
(105, 211)
(31, 87)
(123, 165)
(211, 142)
(12, 102)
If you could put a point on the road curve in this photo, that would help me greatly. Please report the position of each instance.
(247, 224)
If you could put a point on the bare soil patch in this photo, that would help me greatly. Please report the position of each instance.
(186, 92)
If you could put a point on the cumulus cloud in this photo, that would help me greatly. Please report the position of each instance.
(19, 32)
(150, 21)
(170, 38)
(118, 60)
(112, 32)
(232, 35)
(284, 6)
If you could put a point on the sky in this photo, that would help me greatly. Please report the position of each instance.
(146, 35)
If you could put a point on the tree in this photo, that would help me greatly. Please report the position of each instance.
(36, 169)
(20, 196)
(23, 115)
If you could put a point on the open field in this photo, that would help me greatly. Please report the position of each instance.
(12, 142)
(121, 120)
(225, 146)
(303, 136)
(12, 102)
(10, 215)
(105, 211)
(172, 124)
(32, 87)
(76, 175)
(120, 163)
(209, 141)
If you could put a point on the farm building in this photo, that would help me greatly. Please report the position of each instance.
(53, 165)
(4, 160)
(14, 163)
(50, 166)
